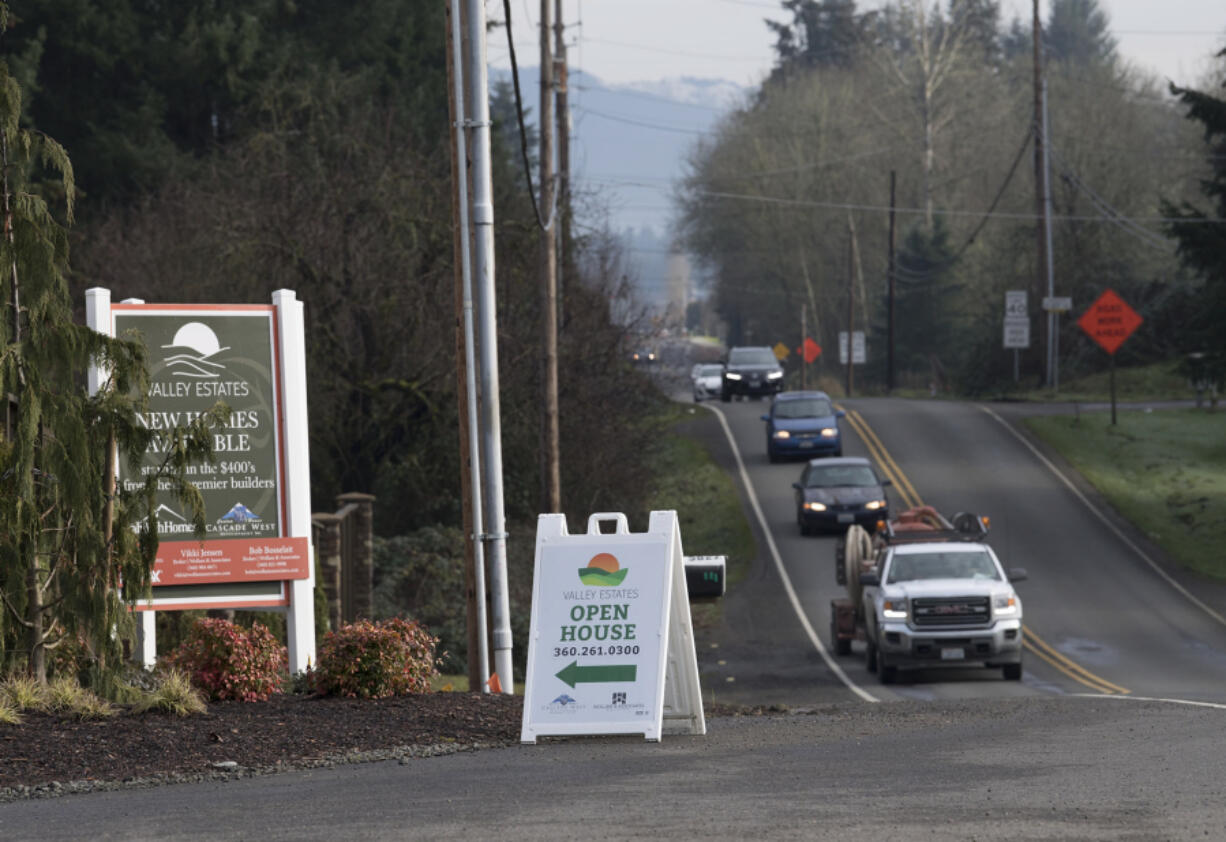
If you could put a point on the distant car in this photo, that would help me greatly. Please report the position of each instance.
(803, 424)
(708, 381)
(751, 372)
(832, 494)
(643, 355)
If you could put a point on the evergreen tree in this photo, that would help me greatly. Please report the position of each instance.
(1202, 234)
(980, 20)
(823, 33)
(66, 542)
(1078, 33)
(927, 292)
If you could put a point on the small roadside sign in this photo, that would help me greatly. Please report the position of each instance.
(1109, 321)
(810, 350)
(858, 348)
(1017, 333)
(1015, 304)
(781, 351)
(1057, 304)
(611, 645)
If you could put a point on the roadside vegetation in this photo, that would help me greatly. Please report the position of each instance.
(1165, 471)
(703, 494)
(1161, 381)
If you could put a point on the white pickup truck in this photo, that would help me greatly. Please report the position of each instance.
(939, 602)
(929, 594)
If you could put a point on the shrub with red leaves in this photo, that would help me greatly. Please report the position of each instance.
(376, 660)
(227, 661)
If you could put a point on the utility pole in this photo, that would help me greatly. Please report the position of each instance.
(563, 139)
(889, 381)
(466, 381)
(1053, 336)
(551, 475)
(1040, 154)
(495, 535)
(851, 305)
(804, 333)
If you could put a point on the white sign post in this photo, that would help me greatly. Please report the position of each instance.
(1017, 326)
(611, 646)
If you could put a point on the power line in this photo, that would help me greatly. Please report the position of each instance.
(846, 206)
(640, 123)
(523, 133)
(1109, 212)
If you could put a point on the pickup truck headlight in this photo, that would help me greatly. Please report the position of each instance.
(894, 609)
(774, 375)
(1004, 605)
(874, 505)
(830, 432)
(732, 375)
(815, 507)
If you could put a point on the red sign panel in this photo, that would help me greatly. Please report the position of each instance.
(231, 560)
(811, 350)
(1110, 321)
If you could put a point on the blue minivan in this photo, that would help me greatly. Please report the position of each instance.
(803, 424)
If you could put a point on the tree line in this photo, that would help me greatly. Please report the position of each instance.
(788, 204)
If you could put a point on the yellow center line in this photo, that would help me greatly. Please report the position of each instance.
(1066, 665)
(911, 499)
(883, 459)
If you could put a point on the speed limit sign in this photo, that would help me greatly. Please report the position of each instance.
(1015, 304)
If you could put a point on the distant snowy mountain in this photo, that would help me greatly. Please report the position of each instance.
(690, 90)
(629, 142)
(628, 150)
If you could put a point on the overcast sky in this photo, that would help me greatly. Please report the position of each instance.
(642, 40)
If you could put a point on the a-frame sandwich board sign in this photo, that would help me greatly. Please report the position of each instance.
(611, 644)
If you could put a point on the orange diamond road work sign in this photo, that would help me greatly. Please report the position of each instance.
(810, 350)
(1110, 321)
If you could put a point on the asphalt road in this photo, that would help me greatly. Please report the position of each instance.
(949, 754)
(1104, 613)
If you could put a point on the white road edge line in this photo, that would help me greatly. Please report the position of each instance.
(783, 574)
(1127, 541)
(1214, 705)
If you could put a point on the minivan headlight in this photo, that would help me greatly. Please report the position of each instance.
(782, 434)
(829, 432)
(874, 505)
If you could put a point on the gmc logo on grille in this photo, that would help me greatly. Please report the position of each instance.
(952, 609)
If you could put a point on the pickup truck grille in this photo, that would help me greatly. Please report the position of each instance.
(950, 611)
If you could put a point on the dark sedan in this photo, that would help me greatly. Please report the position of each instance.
(832, 494)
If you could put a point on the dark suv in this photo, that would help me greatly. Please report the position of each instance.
(751, 371)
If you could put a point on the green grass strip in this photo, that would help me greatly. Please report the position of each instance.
(1165, 471)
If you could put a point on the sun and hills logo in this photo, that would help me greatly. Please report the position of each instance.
(196, 343)
(603, 571)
